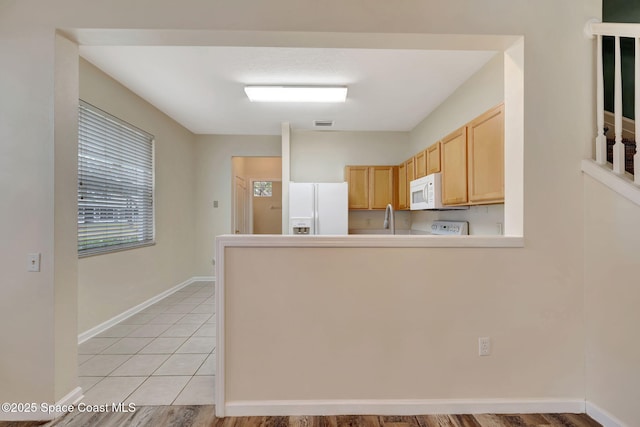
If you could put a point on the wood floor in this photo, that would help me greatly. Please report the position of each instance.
(203, 416)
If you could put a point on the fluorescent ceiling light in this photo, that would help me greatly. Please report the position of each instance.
(296, 93)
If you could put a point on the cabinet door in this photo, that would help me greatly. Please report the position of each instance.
(402, 187)
(433, 158)
(358, 179)
(454, 168)
(421, 164)
(380, 186)
(411, 172)
(486, 157)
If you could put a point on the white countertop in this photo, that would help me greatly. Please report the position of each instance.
(369, 241)
(378, 231)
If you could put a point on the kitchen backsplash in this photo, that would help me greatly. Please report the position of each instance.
(483, 220)
(369, 220)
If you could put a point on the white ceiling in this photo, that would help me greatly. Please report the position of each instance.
(202, 88)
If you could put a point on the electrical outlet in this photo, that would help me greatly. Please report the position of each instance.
(484, 346)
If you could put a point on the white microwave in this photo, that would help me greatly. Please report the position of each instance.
(426, 193)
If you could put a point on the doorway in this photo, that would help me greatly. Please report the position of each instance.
(257, 195)
(266, 207)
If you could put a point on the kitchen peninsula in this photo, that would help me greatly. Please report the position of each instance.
(297, 316)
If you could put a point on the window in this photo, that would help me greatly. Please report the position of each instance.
(115, 184)
(262, 188)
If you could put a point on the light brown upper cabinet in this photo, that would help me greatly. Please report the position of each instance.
(411, 171)
(420, 164)
(403, 190)
(485, 146)
(380, 186)
(358, 180)
(433, 158)
(370, 187)
(454, 168)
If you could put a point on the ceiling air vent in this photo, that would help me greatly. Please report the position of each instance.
(323, 123)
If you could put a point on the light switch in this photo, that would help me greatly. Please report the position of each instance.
(33, 262)
(215, 203)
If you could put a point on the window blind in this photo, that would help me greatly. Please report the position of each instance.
(115, 183)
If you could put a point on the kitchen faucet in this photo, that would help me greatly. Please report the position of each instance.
(389, 219)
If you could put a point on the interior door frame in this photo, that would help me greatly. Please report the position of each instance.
(234, 212)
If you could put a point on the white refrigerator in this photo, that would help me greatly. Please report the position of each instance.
(318, 208)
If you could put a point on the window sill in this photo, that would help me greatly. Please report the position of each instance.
(117, 249)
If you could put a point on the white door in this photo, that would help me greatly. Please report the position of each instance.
(240, 214)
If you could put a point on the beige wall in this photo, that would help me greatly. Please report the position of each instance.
(394, 331)
(262, 167)
(538, 290)
(213, 177)
(266, 215)
(267, 211)
(320, 156)
(612, 301)
(362, 324)
(483, 90)
(66, 220)
(112, 283)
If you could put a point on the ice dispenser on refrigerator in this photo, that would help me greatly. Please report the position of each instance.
(318, 208)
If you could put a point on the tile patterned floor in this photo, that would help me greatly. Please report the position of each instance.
(164, 355)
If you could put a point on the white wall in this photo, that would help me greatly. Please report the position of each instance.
(110, 284)
(214, 182)
(612, 301)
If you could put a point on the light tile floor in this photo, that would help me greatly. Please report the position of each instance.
(164, 355)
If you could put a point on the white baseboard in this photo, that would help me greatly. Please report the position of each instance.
(402, 407)
(602, 416)
(138, 308)
(72, 398)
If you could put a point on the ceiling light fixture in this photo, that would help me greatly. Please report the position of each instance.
(296, 93)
